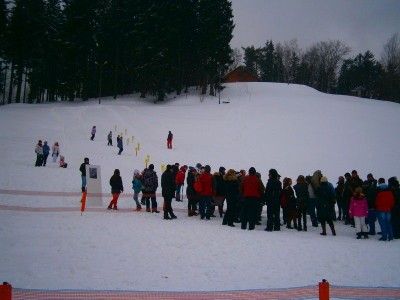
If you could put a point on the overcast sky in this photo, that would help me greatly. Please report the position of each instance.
(360, 24)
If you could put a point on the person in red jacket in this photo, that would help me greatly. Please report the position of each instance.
(252, 189)
(206, 193)
(179, 182)
(384, 202)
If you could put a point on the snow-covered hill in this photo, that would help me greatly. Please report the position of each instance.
(292, 128)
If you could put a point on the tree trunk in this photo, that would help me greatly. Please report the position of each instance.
(10, 89)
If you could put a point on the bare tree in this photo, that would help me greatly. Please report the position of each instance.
(391, 53)
(327, 55)
(290, 52)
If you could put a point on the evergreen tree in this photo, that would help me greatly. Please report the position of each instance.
(215, 33)
(79, 47)
(3, 47)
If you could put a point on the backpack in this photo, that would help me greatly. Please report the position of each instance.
(198, 187)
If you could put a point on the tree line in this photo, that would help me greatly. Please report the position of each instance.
(324, 67)
(54, 49)
(68, 49)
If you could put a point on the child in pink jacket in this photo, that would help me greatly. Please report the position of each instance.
(359, 210)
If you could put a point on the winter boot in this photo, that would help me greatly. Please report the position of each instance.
(332, 228)
(190, 213)
(148, 210)
(109, 207)
(115, 208)
(323, 229)
(365, 235)
(154, 210)
(359, 235)
(138, 208)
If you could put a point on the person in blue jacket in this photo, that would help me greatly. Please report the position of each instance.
(137, 187)
(46, 152)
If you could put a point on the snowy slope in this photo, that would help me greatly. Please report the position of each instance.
(292, 128)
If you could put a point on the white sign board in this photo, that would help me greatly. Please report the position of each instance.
(93, 185)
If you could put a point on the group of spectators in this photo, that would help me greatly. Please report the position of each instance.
(42, 151)
(356, 202)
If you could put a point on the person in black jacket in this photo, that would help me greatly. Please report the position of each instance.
(219, 188)
(191, 194)
(370, 191)
(395, 217)
(150, 185)
(116, 189)
(272, 196)
(231, 184)
(168, 191)
(301, 189)
(325, 200)
(82, 168)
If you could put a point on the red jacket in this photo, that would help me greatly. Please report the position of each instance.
(384, 201)
(251, 186)
(180, 177)
(207, 184)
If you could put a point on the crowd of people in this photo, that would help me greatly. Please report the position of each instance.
(356, 202)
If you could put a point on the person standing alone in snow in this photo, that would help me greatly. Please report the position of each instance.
(93, 132)
(169, 140)
(82, 168)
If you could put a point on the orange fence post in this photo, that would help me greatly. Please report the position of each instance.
(5, 291)
(324, 290)
(83, 201)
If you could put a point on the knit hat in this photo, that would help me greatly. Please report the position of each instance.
(252, 170)
(274, 173)
(136, 171)
(151, 167)
(324, 179)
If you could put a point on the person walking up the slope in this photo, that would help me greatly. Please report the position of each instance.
(82, 168)
(169, 140)
(168, 191)
(120, 145)
(109, 138)
(116, 189)
(137, 186)
(93, 133)
(39, 154)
